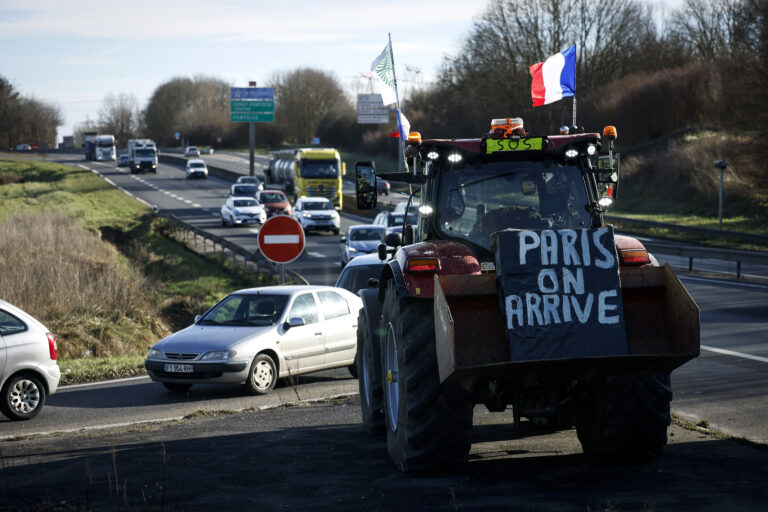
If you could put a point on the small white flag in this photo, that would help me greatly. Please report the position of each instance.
(384, 76)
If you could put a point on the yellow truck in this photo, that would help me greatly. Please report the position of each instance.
(307, 172)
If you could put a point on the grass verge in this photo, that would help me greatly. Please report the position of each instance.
(98, 269)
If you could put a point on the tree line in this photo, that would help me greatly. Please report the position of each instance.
(25, 120)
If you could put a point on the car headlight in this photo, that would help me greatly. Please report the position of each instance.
(307, 215)
(218, 355)
(352, 249)
(154, 354)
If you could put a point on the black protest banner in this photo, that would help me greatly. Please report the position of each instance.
(560, 293)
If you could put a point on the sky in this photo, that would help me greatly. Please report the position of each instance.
(74, 53)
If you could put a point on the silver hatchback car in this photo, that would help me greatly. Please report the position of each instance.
(28, 368)
(257, 335)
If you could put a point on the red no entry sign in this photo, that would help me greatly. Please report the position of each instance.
(281, 239)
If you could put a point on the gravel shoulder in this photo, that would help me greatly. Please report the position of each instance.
(319, 456)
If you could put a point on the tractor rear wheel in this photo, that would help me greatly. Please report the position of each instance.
(624, 417)
(428, 424)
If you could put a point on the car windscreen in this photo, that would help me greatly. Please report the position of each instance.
(318, 205)
(244, 190)
(355, 277)
(358, 235)
(397, 220)
(254, 180)
(197, 164)
(145, 152)
(272, 197)
(319, 168)
(246, 310)
(246, 202)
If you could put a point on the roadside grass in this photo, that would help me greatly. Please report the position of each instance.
(98, 269)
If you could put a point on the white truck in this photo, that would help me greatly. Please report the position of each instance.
(105, 148)
(142, 155)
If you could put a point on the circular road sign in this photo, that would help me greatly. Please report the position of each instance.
(281, 239)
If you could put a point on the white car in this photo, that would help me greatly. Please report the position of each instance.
(197, 169)
(361, 239)
(191, 151)
(237, 211)
(28, 368)
(257, 335)
(316, 214)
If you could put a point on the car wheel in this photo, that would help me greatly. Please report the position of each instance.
(262, 375)
(176, 387)
(335, 231)
(22, 397)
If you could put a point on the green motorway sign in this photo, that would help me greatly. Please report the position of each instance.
(252, 105)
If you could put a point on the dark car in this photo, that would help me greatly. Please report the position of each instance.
(275, 202)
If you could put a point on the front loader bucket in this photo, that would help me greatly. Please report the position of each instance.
(661, 318)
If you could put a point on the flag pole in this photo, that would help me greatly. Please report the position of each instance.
(574, 88)
(402, 163)
(574, 110)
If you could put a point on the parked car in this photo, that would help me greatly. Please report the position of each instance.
(382, 186)
(361, 239)
(275, 202)
(356, 274)
(23, 147)
(123, 160)
(244, 190)
(251, 180)
(197, 169)
(257, 335)
(28, 368)
(238, 211)
(191, 151)
(317, 214)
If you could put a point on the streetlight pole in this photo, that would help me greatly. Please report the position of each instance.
(720, 164)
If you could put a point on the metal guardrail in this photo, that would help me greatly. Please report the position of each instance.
(706, 232)
(693, 252)
(256, 260)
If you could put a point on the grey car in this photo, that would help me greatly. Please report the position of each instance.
(28, 368)
(257, 335)
(361, 239)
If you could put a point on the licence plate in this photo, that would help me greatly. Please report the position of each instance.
(178, 368)
(518, 144)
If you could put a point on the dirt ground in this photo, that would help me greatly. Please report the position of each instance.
(319, 457)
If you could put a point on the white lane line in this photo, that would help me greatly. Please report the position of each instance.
(196, 205)
(721, 281)
(187, 201)
(166, 192)
(316, 254)
(118, 187)
(735, 354)
(256, 231)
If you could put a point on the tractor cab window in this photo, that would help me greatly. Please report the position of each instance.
(476, 201)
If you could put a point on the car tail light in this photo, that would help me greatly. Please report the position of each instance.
(52, 348)
(634, 257)
(423, 265)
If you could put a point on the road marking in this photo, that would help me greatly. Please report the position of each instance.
(187, 201)
(83, 167)
(735, 354)
(196, 205)
(721, 281)
(316, 254)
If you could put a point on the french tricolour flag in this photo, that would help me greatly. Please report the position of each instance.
(555, 78)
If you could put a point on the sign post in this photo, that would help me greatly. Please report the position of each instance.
(281, 240)
(371, 110)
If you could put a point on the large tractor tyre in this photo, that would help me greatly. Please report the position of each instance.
(369, 379)
(624, 418)
(429, 425)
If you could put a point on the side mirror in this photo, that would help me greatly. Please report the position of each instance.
(365, 185)
(295, 322)
(343, 168)
(198, 317)
(393, 239)
(343, 239)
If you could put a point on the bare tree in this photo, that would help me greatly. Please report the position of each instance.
(119, 116)
(304, 97)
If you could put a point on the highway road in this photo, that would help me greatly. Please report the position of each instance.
(724, 386)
